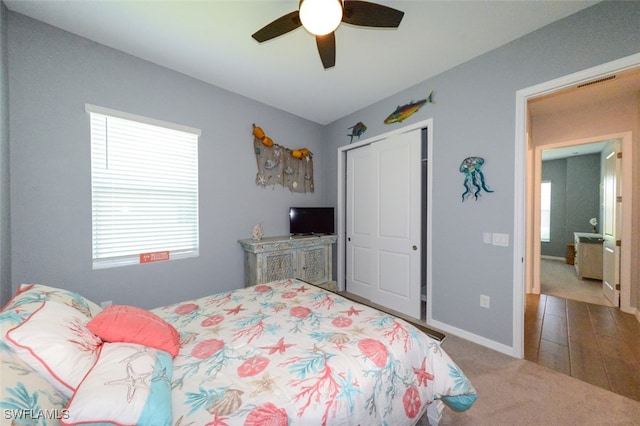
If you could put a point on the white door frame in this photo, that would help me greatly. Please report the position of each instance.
(341, 208)
(532, 283)
(523, 162)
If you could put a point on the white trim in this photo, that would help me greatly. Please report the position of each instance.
(626, 143)
(341, 208)
(553, 257)
(519, 234)
(429, 242)
(520, 162)
(141, 119)
(491, 344)
(535, 254)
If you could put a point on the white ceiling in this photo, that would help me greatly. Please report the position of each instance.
(211, 41)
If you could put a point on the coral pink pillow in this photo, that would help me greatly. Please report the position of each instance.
(129, 324)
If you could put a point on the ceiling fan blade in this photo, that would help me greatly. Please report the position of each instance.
(366, 14)
(282, 25)
(327, 49)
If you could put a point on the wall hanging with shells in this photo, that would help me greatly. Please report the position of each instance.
(291, 168)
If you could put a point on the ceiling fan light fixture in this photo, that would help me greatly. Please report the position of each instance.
(320, 17)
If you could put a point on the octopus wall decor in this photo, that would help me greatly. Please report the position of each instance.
(474, 181)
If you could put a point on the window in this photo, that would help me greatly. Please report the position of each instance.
(545, 212)
(144, 189)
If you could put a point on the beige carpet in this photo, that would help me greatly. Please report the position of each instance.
(519, 392)
(559, 279)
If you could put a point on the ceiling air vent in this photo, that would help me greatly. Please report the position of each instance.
(600, 80)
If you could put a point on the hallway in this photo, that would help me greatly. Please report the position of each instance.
(597, 344)
(557, 278)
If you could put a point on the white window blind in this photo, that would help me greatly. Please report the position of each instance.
(545, 212)
(144, 189)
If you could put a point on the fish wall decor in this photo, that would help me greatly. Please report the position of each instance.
(357, 130)
(405, 111)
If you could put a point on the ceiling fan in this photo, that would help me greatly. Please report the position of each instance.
(322, 17)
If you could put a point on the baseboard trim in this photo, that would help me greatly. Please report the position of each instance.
(491, 344)
(553, 258)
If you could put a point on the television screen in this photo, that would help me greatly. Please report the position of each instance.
(311, 220)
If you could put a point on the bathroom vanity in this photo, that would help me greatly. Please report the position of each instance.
(588, 255)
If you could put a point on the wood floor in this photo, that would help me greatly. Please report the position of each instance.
(593, 343)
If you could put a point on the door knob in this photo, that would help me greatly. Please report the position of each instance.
(414, 248)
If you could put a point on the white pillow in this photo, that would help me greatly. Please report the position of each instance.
(129, 385)
(55, 341)
(28, 293)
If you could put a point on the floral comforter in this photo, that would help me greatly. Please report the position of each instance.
(288, 352)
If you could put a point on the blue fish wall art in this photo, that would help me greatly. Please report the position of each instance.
(357, 130)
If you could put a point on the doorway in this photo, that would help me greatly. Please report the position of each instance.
(526, 256)
(573, 220)
(560, 332)
(533, 248)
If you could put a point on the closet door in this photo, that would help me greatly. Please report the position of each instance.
(383, 222)
(360, 267)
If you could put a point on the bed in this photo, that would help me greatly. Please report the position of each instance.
(280, 353)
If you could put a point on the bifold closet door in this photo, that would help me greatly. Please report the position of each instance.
(383, 222)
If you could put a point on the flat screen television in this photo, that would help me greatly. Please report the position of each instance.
(311, 220)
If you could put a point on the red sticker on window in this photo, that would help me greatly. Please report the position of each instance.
(157, 256)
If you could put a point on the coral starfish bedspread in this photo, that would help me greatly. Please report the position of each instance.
(288, 352)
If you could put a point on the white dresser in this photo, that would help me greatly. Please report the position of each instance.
(588, 255)
(307, 258)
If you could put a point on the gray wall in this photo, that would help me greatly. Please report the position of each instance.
(583, 194)
(5, 223)
(575, 198)
(52, 74)
(474, 114)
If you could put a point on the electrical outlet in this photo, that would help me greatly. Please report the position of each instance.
(485, 301)
(106, 303)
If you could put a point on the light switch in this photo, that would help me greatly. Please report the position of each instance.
(501, 240)
(485, 301)
(486, 238)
